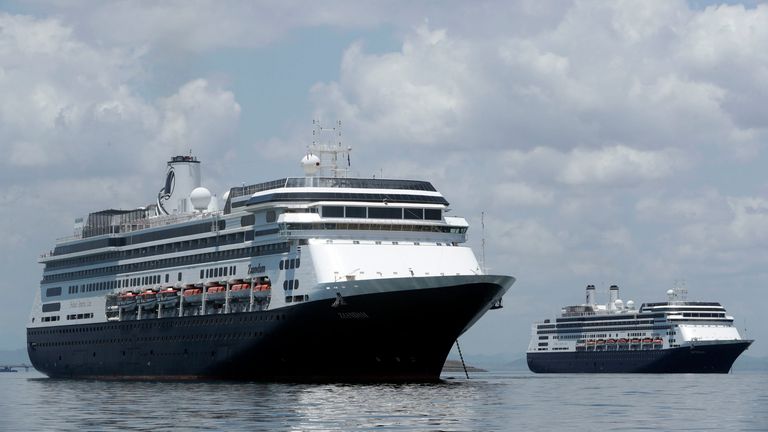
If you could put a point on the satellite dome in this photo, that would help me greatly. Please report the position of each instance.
(200, 198)
(619, 304)
(311, 164)
(670, 292)
(630, 304)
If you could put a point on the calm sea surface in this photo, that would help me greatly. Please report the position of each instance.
(488, 401)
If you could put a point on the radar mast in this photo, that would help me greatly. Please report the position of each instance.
(327, 146)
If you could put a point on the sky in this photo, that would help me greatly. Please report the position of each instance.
(605, 142)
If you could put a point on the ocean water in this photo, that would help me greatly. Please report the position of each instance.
(489, 401)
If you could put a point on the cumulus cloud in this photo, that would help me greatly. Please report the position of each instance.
(197, 117)
(523, 194)
(618, 164)
(76, 130)
(70, 103)
(400, 97)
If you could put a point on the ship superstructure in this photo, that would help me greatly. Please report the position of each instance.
(312, 277)
(672, 336)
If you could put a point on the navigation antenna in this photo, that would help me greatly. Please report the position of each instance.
(327, 145)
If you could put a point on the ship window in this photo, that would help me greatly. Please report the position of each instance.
(355, 212)
(385, 213)
(247, 220)
(432, 214)
(281, 264)
(179, 276)
(53, 292)
(296, 284)
(298, 262)
(293, 263)
(285, 285)
(271, 216)
(333, 211)
(288, 299)
(202, 274)
(225, 270)
(51, 307)
(413, 213)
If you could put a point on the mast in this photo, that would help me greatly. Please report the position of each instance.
(327, 145)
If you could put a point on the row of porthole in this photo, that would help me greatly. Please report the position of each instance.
(290, 263)
(217, 336)
(80, 316)
(184, 323)
(292, 284)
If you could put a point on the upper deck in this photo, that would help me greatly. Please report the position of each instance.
(307, 189)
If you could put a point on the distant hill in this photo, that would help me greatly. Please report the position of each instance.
(455, 366)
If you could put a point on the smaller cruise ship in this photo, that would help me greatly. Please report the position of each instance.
(675, 336)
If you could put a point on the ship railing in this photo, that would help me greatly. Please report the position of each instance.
(138, 225)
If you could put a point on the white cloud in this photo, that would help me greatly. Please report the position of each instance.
(616, 165)
(724, 34)
(196, 117)
(68, 103)
(704, 205)
(522, 194)
(750, 221)
(416, 95)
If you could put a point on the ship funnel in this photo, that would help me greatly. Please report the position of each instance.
(591, 295)
(181, 178)
(613, 296)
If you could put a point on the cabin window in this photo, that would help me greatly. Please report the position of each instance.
(385, 213)
(271, 216)
(413, 213)
(356, 212)
(432, 214)
(51, 307)
(333, 211)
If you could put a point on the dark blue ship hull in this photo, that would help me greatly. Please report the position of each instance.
(703, 358)
(394, 336)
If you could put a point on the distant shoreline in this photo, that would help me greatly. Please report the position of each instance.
(455, 366)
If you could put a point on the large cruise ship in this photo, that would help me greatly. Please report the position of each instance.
(672, 336)
(317, 277)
